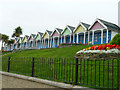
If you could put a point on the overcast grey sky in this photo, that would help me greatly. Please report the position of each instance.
(39, 15)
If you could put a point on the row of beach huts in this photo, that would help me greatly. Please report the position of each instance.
(99, 32)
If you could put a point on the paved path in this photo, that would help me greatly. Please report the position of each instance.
(12, 82)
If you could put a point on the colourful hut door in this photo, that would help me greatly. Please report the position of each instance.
(104, 36)
(86, 40)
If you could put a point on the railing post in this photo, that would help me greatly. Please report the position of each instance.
(76, 72)
(33, 67)
(8, 64)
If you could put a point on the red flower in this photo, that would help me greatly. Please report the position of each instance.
(103, 47)
(117, 47)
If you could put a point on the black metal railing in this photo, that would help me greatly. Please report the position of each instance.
(100, 72)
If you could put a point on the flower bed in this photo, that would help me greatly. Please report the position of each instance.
(101, 51)
(103, 47)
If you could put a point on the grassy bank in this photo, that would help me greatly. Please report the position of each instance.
(90, 72)
(54, 52)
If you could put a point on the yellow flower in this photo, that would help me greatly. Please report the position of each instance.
(89, 48)
(107, 48)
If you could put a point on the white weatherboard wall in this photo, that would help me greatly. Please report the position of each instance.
(113, 34)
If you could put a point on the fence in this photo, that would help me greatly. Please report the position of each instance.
(101, 73)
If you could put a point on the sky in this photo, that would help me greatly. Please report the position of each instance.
(40, 15)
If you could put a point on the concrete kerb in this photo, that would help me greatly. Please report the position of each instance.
(47, 82)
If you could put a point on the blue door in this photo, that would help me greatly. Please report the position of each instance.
(43, 44)
(82, 39)
(34, 44)
(67, 40)
(86, 39)
(62, 39)
(90, 40)
(99, 38)
(51, 43)
(37, 44)
(14, 46)
(95, 38)
(104, 36)
(78, 38)
(71, 39)
(46, 44)
(56, 42)
(40, 44)
(30, 44)
(109, 36)
(75, 39)
(59, 41)
(24, 45)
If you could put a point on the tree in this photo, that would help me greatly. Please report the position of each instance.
(4, 38)
(10, 42)
(17, 32)
(116, 39)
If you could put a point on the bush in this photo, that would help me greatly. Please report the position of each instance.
(115, 40)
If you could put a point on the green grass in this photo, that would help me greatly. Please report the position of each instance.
(5, 53)
(58, 71)
(55, 52)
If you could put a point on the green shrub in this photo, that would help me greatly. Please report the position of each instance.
(115, 40)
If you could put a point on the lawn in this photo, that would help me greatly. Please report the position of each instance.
(5, 53)
(55, 52)
(91, 73)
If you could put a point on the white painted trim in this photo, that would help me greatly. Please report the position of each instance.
(101, 36)
(25, 38)
(73, 38)
(70, 38)
(53, 42)
(69, 28)
(64, 39)
(99, 22)
(48, 42)
(61, 39)
(81, 32)
(56, 36)
(113, 33)
(39, 35)
(54, 31)
(65, 28)
(58, 40)
(80, 23)
(32, 37)
(107, 37)
(84, 36)
(16, 39)
(44, 34)
(29, 38)
(92, 37)
(88, 37)
(77, 37)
